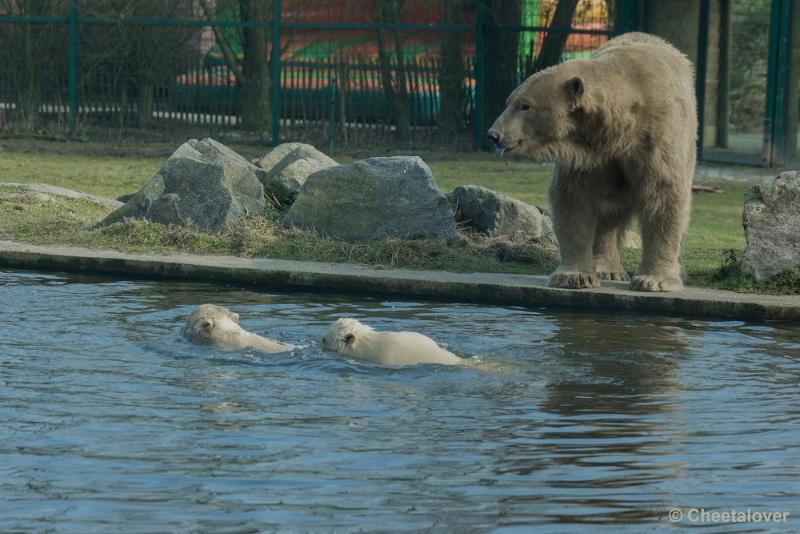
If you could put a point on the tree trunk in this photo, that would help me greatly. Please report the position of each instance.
(29, 91)
(451, 74)
(144, 109)
(389, 11)
(503, 45)
(255, 90)
(553, 44)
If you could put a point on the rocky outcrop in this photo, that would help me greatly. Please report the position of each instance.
(287, 167)
(771, 222)
(373, 199)
(203, 183)
(498, 215)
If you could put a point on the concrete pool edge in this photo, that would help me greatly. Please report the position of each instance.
(497, 288)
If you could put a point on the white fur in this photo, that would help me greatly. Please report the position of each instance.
(360, 342)
(213, 324)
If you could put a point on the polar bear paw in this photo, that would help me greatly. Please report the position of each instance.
(573, 280)
(647, 282)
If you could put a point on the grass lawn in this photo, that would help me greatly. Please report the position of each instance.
(713, 244)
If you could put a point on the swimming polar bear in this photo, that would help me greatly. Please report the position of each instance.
(209, 323)
(360, 342)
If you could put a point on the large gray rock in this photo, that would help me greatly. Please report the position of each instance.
(203, 183)
(373, 199)
(287, 167)
(771, 222)
(499, 215)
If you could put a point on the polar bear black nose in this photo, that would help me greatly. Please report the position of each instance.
(494, 137)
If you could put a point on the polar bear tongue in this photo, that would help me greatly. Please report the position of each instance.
(499, 151)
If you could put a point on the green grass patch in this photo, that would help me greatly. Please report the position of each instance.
(69, 221)
(715, 228)
(109, 176)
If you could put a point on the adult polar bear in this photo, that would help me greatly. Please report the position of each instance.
(621, 128)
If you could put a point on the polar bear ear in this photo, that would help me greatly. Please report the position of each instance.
(235, 317)
(575, 88)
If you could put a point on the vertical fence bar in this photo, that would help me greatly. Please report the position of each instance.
(275, 63)
(623, 22)
(72, 80)
(777, 81)
(724, 84)
(700, 79)
(774, 90)
(332, 112)
(793, 81)
(480, 86)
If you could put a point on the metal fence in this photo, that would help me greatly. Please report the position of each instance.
(351, 72)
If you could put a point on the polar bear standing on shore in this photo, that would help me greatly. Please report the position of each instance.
(209, 323)
(622, 128)
(360, 342)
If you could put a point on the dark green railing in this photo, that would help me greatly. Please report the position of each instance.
(343, 89)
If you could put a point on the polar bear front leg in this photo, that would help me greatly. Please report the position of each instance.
(607, 262)
(664, 221)
(574, 222)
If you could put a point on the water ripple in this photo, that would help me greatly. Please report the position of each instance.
(112, 422)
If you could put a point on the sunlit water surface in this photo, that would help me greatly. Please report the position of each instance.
(110, 422)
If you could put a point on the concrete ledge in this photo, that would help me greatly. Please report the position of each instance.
(436, 285)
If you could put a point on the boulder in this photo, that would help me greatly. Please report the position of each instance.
(282, 186)
(771, 222)
(203, 183)
(296, 151)
(499, 215)
(372, 199)
(288, 166)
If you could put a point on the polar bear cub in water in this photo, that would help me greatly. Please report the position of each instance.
(209, 323)
(360, 342)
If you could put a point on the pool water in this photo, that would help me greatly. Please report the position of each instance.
(111, 422)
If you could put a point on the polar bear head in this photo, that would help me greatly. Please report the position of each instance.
(543, 114)
(345, 335)
(207, 321)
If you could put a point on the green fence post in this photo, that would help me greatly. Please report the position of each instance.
(774, 154)
(480, 85)
(332, 114)
(624, 16)
(72, 81)
(275, 64)
(630, 15)
(700, 76)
